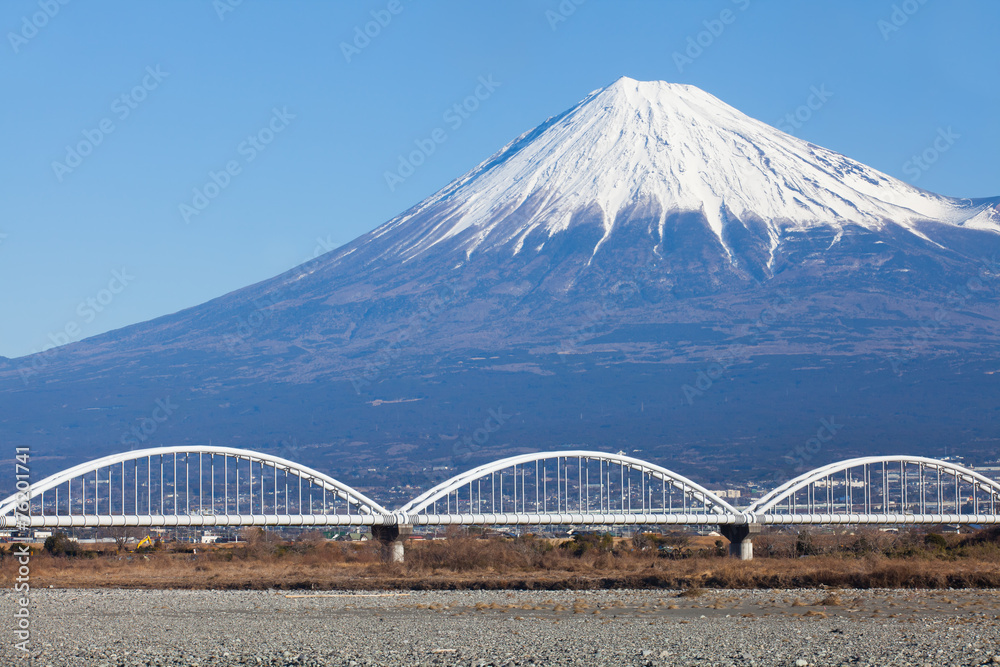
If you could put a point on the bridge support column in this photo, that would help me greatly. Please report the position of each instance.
(392, 538)
(740, 544)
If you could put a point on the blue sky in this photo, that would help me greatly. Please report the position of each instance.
(309, 128)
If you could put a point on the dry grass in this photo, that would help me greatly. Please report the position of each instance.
(463, 562)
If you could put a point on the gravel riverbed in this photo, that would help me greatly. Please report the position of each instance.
(776, 627)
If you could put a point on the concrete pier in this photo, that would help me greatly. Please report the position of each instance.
(392, 538)
(740, 544)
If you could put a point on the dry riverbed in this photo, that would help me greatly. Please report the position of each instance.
(621, 627)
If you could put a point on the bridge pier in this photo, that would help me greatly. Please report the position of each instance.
(392, 538)
(740, 544)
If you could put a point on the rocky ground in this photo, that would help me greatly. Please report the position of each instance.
(700, 627)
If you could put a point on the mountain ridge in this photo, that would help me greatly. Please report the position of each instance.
(395, 239)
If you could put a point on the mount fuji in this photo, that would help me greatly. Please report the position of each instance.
(649, 270)
(656, 150)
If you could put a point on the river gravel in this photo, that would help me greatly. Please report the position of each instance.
(776, 627)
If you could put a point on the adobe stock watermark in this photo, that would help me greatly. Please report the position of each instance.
(22, 582)
(121, 108)
(984, 281)
(246, 327)
(146, 428)
(900, 16)
(31, 25)
(468, 445)
(323, 246)
(704, 39)
(87, 311)
(223, 7)
(364, 34)
(801, 457)
(263, 309)
(594, 316)
(391, 349)
(562, 12)
(920, 163)
(248, 150)
(289, 449)
(803, 113)
(736, 353)
(454, 117)
(598, 314)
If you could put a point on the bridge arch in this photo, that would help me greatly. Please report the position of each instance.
(559, 481)
(149, 482)
(888, 486)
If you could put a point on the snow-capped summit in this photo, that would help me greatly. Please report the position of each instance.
(665, 148)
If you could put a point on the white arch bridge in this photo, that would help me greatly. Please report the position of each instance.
(222, 486)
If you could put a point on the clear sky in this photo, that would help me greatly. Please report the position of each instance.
(115, 113)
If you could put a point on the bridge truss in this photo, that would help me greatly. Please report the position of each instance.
(191, 486)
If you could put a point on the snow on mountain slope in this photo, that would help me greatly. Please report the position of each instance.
(669, 148)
